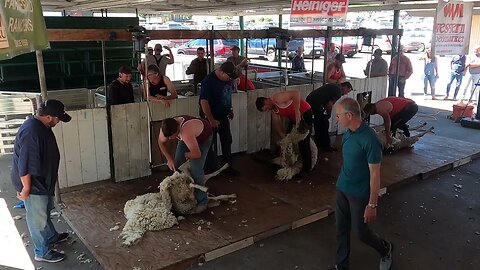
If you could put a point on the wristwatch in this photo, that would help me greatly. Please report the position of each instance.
(372, 205)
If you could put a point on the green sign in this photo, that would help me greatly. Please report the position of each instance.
(22, 28)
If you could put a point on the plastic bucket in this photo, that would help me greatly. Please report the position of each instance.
(458, 109)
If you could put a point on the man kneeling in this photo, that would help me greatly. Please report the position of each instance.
(195, 138)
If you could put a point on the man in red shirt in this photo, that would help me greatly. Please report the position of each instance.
(405, 70)
(395, 111)
(288, 104)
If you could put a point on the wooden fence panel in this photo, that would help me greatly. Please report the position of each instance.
(86, 135)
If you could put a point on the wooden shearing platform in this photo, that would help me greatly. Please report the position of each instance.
(264, 207)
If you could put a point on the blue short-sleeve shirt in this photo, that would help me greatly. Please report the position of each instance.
(218, 93)
(359, 148)
(36, 153)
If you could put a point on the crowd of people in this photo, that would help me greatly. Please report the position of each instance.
(36, 155)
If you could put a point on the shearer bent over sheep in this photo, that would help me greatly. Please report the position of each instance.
(195, 138)
(288, 104)
(396, 112)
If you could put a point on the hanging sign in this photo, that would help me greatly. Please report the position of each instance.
(452, 27)
(311, 13)
(22, 28)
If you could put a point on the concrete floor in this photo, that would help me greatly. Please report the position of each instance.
(430, 227)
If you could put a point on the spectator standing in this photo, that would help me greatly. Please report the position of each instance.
(298, 63)
(198, 67)
(120, 91)
(405, 70)
(216, 107)
(157, 59)
(35, 165)
(430, 71)
(335, 72)
(377, 67)
(457, 68)
(160, 86)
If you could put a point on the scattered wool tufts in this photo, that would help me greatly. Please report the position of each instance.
(290, 159)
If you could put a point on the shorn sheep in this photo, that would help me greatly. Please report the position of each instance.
(400, 141)
(290, 159)
(153, 211)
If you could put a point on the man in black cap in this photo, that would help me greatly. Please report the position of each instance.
(322, 100)
(35, 173)
(216, 107)
(120, 91)
(239, 61)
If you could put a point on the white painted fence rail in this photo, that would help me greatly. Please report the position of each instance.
(83, 145)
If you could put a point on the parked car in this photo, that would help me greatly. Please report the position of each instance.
(172, 43)
(416, 41)
(384, 42)
(265, 47)
(310, 50)
(348, 48)
(221, 47)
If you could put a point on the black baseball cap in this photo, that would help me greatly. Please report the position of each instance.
(229, 68)
(340, 58)
(55, 108)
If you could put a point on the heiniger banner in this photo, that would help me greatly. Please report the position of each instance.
(452, 28)
(22, 28)
(311, 13)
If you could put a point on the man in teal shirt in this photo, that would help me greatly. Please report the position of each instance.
(358, 185)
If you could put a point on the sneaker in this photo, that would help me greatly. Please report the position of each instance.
(446, 98)
(52, 257)
(61, 238)
(386, 261)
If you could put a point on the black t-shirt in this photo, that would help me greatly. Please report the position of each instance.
(119, 93)
(36, 153)
(158, 89)
(320, 97)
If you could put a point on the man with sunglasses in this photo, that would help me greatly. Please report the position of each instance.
(34, 174)
(216, 107)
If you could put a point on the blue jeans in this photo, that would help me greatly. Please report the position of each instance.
(196, 166)
(455, 76)
(429, 79)
(39, 224)
(392, 92)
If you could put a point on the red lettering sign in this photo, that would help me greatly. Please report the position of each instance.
(334, 8)
(453, 11)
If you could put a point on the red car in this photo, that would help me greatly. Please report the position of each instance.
(221, 46)
(348, 48)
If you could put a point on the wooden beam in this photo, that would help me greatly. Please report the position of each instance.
(88, 35)
(124, 35)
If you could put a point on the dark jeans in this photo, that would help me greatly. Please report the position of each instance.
(455, 76)
(223, 130)
(399, 121)
(321, 125)
(304, 145)
(392, 92)
(349, 215)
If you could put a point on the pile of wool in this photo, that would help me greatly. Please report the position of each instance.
(153, 211)
(290, 159)
(400, 141)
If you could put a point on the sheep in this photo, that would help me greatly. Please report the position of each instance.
(153, 211)
(290, 159)
(400, 141)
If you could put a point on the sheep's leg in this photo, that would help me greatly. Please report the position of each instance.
(418, 127)
(202, 188)
(421, 134)
(223, 197)
(217, 172)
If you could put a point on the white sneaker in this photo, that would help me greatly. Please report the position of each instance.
(386, 261)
